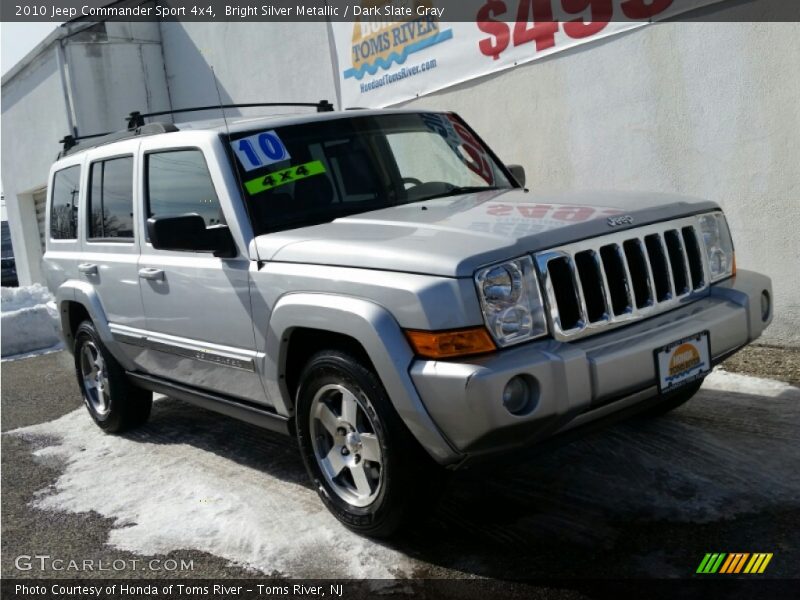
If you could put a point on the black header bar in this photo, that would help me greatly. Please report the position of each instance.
(396, 10)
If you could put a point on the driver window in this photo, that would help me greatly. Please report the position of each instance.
(178, 183)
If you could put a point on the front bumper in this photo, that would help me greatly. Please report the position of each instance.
(580, 379)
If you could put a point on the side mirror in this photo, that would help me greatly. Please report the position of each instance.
(518, 171)
(189, 232)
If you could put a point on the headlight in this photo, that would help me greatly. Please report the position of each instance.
(718, 244)
(511, 302)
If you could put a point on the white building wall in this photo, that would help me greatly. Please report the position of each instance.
(34, 119)
(116, 68)
(253, 62)
(108, 70)
(704, 109)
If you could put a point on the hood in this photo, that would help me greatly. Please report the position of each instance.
(452, 237)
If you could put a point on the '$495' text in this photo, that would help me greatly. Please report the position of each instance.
(535, 20)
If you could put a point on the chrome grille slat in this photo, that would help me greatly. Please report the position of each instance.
(598, 287)
(604, 287)
(651, 282)
(683, 265)
(669, 265)
(687, 269)
(631, 276)
(628, 280)
(584, 320)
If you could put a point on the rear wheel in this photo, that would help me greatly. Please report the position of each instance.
(114, 403)
(672, 401)
(367, 468)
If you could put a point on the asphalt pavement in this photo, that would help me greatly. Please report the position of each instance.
(639, 499)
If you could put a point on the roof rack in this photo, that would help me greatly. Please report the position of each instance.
(70, 142)
(137, 126)
(136, 119)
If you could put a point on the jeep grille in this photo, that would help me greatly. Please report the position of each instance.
(602, 283)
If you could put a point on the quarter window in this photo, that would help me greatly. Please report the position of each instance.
(111, 199)
(64, 207)
(178, 183)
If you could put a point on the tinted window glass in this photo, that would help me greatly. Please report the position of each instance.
(7, 250)
(64, 211)
(315, 172)
(111, 199)
(179, 183)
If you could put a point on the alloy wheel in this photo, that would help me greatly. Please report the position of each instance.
(346, 445)
(95, 378)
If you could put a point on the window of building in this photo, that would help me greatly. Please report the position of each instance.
(178, 183)
(110, 199)
(64, 209)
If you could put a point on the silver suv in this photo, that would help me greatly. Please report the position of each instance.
(379, 285)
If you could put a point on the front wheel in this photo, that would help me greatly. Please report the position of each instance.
(367, 468)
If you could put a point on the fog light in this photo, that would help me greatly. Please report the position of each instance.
(517, 395)
(766, 305)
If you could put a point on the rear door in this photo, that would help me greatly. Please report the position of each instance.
(199, 321)
(110, 256)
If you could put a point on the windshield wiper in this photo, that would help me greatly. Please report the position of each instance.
(457, 191)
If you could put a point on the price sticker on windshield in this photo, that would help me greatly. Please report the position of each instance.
(260, 150)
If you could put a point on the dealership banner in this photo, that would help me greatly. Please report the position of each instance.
(391, 53)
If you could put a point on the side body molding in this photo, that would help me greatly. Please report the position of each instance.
(84, 294)
(380, 335)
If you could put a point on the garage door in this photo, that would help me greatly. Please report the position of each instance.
(39, 203)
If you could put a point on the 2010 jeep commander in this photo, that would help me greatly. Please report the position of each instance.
(381, 286)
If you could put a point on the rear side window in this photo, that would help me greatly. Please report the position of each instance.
(110, 199)
(178, 183)
(64, 209)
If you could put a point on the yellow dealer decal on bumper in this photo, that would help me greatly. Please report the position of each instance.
(683, 361)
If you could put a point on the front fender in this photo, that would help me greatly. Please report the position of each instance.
(380, 335)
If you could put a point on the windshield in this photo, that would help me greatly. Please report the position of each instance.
(315, 172)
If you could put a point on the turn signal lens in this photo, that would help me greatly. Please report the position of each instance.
(447, 344)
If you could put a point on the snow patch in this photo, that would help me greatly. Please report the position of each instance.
(725, 381)
(184, 482)
(15, 298)
(29, 320)
(194, 480)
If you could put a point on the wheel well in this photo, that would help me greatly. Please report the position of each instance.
(304, 342)
(76, 314)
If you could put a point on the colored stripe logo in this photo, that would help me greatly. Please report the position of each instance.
(284, 176)
(734, 563)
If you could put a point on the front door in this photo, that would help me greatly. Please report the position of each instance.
(197, 306)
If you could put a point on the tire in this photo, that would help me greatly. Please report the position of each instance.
(396, 473)
(672, 401)
(114, 403)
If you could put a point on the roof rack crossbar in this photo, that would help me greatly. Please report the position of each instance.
(70, 141)
(136, 119)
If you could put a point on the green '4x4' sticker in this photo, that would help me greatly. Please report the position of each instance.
(284, 176)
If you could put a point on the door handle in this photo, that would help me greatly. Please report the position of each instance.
(151, 274)
(88, 268)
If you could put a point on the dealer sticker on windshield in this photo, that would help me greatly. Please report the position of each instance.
(683, 361)
(260, 150)
(284, 176)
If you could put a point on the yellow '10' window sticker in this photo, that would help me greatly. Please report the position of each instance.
(284, 176)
